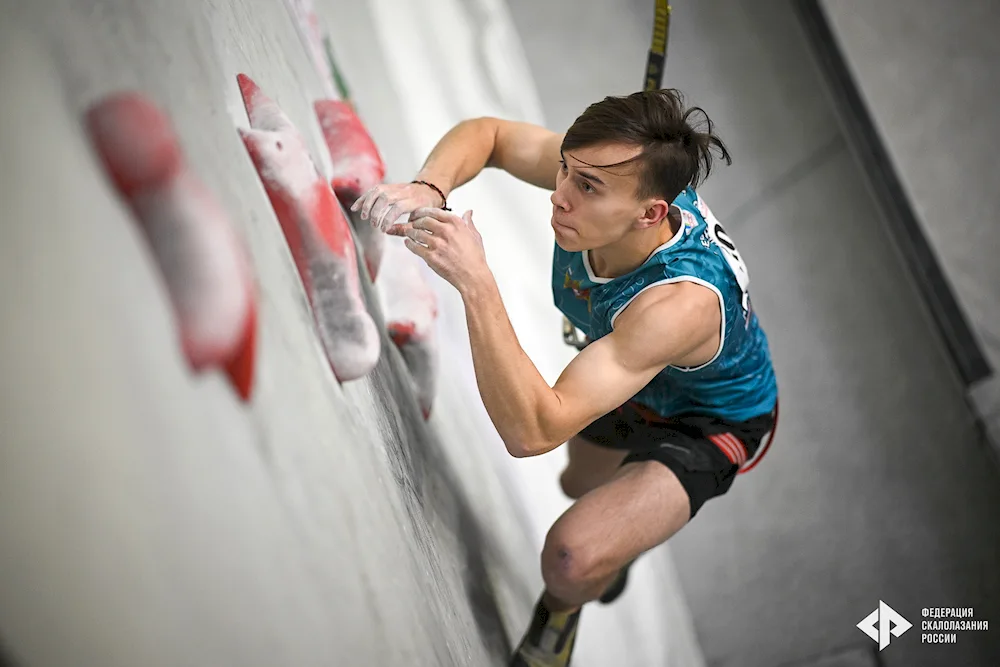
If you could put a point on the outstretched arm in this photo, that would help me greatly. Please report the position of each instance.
(526, 151)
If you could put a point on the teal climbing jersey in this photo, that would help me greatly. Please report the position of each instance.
(739, 382)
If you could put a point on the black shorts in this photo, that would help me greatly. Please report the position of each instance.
(704, 452)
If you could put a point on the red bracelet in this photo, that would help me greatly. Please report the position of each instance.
(444, 206)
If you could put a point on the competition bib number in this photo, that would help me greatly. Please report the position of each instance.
(729, 251)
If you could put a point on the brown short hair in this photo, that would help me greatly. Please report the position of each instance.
(674, 154)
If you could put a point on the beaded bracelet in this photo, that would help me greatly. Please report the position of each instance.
(444, 206)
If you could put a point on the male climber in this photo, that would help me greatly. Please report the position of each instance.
(675, 390)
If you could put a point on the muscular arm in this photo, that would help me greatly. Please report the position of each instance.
(662, 326)
(527, 152)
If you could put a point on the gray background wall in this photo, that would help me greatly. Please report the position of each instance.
(929, 75)
(147, 517)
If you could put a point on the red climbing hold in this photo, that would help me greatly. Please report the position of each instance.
(202, 260)
(409, 303)
(317, 233)
(357, 167)
(410, 307)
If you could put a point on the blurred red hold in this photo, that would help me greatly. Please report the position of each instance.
(201, 257)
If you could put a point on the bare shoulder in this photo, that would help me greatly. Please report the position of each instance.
(527, 152)
(670, 320)
(672, 301)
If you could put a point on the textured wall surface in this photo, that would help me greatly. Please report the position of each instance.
(148, 516)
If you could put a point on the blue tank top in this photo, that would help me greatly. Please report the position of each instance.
(739, 382)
